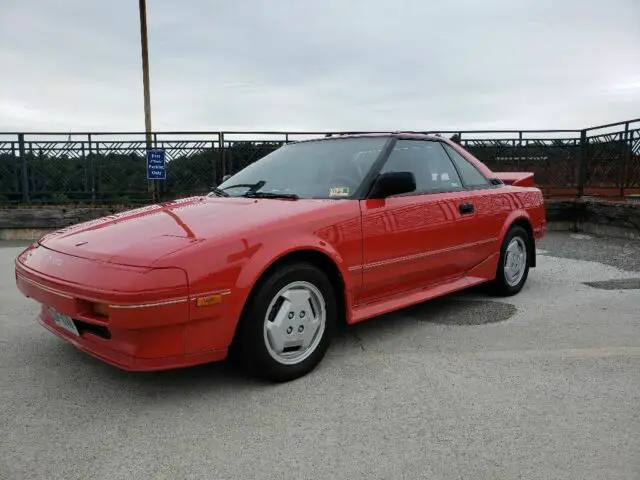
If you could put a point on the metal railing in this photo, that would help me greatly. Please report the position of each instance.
(110, 167)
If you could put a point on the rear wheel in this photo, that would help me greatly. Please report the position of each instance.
(288, 324)
(515, 260)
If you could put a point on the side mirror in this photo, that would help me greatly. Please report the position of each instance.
(393, 183)
(226, 177)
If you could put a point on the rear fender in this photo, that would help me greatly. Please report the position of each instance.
(518, 216)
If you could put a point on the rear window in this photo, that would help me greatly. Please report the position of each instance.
(471, 176)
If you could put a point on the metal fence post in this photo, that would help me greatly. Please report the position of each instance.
(25, 173)
(92, 169)
(519, 148)
(222, 158)
(626, 158)
(85, 160)
(16, 178)
(582, 163)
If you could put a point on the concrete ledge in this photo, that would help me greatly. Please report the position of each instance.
(30, 234)
(30, 223)
(594, 216)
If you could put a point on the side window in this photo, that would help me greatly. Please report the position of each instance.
(470, 174)
(428, 161)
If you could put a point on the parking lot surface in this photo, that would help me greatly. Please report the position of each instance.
(545, 384)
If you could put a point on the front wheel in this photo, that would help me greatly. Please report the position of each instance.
(288, 324)
(514, 263)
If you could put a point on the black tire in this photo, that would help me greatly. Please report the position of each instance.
(500, 286)
(251, 348)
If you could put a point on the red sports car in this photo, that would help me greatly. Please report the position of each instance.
(319, 232)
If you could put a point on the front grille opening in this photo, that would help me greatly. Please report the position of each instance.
(97, 330)
(99, 311)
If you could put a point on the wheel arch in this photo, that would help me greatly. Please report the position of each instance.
(320, 259)
(317, 258)
(521, 219)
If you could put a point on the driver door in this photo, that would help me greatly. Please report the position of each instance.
(411, 240)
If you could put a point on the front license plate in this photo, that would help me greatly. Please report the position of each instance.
(64, 321)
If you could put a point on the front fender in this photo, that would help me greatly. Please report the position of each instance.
(272, 252)
(232, 269)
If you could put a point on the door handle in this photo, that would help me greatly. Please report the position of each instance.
(466, 208)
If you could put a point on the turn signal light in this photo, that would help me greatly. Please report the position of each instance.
(100, 309)
(208, 300)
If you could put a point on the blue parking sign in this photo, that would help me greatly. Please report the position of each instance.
(156, 166)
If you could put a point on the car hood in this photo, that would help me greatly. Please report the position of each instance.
(142, 236)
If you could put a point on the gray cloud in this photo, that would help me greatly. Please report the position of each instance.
(357, 64)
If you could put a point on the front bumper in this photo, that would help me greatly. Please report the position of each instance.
(130, 317)
(112, 351)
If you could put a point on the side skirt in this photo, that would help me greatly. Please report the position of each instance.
(482, 273)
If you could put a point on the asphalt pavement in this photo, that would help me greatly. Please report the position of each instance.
(542, 385)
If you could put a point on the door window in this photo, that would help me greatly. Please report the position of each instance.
(427, 160)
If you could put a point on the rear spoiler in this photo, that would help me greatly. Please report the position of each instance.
(519, 179)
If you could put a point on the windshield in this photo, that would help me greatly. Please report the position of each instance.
(332, 168)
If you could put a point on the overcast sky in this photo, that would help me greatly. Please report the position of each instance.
(320, 65)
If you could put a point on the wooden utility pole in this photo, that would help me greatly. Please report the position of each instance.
(145, 83)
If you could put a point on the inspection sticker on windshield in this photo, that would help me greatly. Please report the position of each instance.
(339, 192)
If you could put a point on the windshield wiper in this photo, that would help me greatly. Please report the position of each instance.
(251, 186)
(220, 193)
(270, 195)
